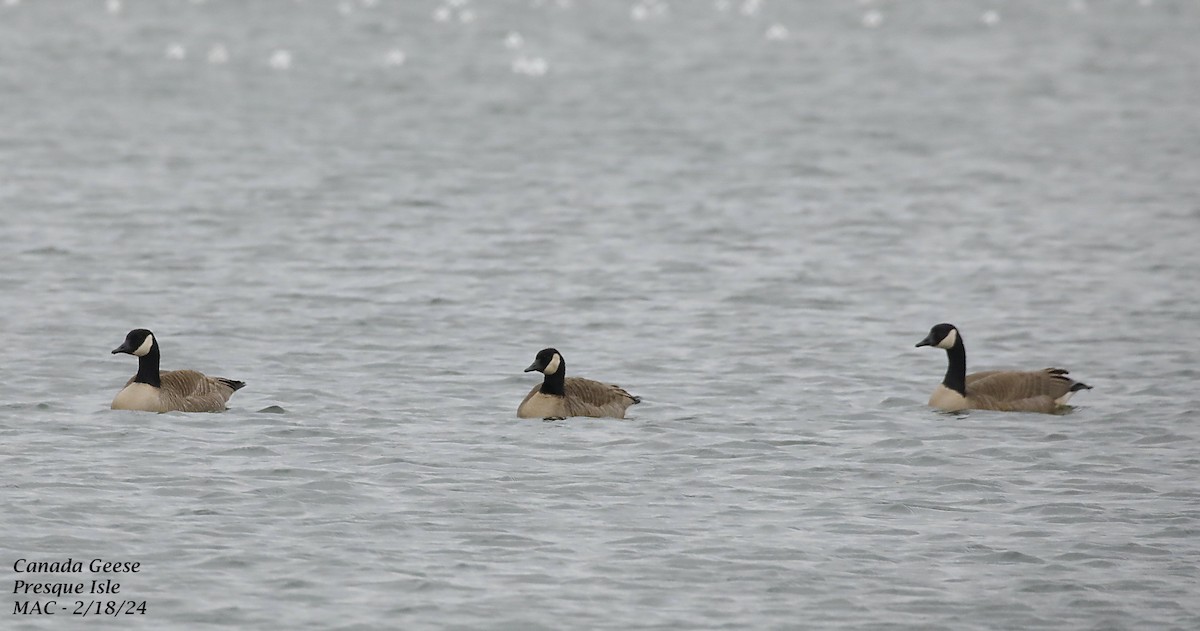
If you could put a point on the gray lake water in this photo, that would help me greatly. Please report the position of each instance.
(376, 213)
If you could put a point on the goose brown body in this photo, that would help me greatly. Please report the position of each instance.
(559, 396)
(582, 397)
(173, 391)
(1044, 391)
(181, 391)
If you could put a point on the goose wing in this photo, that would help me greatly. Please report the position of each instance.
(1014, 385)
(585, 397)
(983, 374)
(1021, 391)
(191, 391)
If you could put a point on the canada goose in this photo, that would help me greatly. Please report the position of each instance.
(177, 390)
(559, 397)
(1043, 391)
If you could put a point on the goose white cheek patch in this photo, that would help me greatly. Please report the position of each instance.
(552, 367)
(948, 342)
(145, 347)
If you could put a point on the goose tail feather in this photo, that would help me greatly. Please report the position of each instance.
(236, 385)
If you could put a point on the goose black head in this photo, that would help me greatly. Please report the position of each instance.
(137, 343)
(548, 361)
(943, 336)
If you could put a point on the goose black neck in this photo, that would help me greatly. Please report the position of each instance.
(148, 367)
(956, 373)
(555, 383)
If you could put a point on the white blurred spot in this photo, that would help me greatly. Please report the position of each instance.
(113, 6)
(646, 9)
(345, 8)
(176, 51)
(777, 32)
(369, 3)
(1145, 3)
(723, 6)
(1079, 6)
(11, 3)
(394, 57)
(466, 15)
(280, 60)
(989, 18)
(530, 66)
(514, 40)
(457, 3)
(872, 19)
(751, 7)
(442, 14)
(218, 54)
